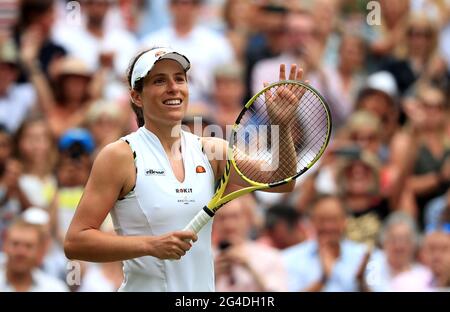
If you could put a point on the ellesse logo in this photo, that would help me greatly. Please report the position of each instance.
(200, 169)
(156, 172)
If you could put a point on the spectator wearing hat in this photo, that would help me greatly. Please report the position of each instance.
(23, 249)
(75, 87)
(72, 171)
(51, 260)
(16, 100)
(379, 95)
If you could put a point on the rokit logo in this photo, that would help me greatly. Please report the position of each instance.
(183, 190)
(155, 172)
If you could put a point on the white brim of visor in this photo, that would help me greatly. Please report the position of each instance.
(147, 60)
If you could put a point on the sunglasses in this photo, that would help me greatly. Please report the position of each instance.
(357, 137)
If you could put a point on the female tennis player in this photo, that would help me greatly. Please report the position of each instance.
(152, 189)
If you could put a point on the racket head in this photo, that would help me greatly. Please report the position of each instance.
(310, 129)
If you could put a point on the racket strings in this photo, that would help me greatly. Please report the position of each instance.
(254, 138)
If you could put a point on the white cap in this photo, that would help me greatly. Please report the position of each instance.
(147, 60)
(35, 215)
(383, 81)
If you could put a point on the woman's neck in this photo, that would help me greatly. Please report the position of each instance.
(37, 168)
(168, 135)
(398, 267)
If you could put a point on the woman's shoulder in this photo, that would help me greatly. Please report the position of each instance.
(118, 151)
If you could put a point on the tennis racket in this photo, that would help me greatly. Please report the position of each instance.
(281, 132)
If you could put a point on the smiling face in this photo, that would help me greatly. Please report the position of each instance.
(165, 95)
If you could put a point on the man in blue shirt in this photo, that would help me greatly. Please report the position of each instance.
(329, 262)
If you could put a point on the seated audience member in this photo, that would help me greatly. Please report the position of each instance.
(435, 254)
(240, 263)
(283, 227)
(328, 262)
(23, 250)
(397, 269)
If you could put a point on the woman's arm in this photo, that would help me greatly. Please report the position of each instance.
(113, 176)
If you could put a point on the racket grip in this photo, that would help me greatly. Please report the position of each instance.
(197, 223)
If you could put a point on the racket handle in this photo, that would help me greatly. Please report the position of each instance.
(197, 223)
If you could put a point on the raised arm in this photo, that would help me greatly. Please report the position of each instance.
(31, 43)
(113, 176)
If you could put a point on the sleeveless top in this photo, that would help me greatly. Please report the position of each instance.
(159, 204)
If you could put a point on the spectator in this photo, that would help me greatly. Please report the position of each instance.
(23, 249)
(107, 122)
(36, 150)
(12, 199)
(435, 254)
(16, 100)
(110, 48)
(397, 269)
(328, 262)
(283, 227)
(358, 182)
(341, 81)
(418, 59)
(426, 163)
(301, 49)
(228, 93)
(269, 38)
(75, 88)
(379, 96)
(194, 41)
(364, 129)
(52, 259)
(241, 264)
(72, 171)
(36, 21)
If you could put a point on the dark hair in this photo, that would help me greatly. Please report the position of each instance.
(138, 86)
(281, 213)
(324, 197)
(31, 10)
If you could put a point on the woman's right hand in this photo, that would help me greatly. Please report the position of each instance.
(172, 245)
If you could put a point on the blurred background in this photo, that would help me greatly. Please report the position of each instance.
(372, 215)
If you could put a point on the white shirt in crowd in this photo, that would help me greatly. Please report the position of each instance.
(15, 105)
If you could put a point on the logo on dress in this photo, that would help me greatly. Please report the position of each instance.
(183, 190)
(155, 172)
(200, 169)
(160, 53)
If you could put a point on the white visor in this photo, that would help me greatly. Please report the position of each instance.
(147, 60)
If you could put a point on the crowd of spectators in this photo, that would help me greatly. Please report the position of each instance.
(372, 215)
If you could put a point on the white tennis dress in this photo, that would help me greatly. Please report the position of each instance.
(159, 204)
